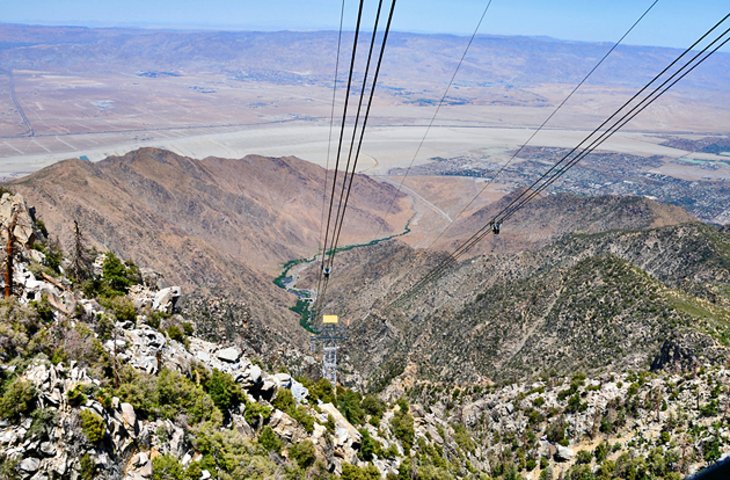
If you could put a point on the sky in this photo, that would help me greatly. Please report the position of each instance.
(673, 23)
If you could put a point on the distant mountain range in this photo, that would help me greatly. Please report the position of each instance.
(506, 62)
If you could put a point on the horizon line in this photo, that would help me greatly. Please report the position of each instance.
(264, 29)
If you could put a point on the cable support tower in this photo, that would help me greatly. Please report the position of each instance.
(331, 331)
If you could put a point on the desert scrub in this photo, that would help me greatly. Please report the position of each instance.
(92, 426)
(19, 398)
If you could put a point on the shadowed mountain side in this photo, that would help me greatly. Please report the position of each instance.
(218, 226)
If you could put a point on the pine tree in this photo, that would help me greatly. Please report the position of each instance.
(81, 267)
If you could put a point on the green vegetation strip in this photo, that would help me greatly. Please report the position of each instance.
(302, 305)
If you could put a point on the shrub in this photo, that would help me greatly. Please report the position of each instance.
(580, 472)
(711, 449)
(330, 424)
(114, 275)
(188, 328)
(18, 399)
(88, 467)
(93, 426)
(583, 457)
(167, 467)
(348, 403)
(369, 447)
(270, 440)
(43, 422)
(402, 427)
(76, 396)
(117, 277)
(177, 394)
(284, 400)
(601, 451)
(122, 308)
(374, 407)
(575, 404)
(305, 419)
(176, 333)
(54, 255)
(321, 390)
(43, 309)
(710, 409)
(255, 413)
(303, 453)
(463, 439)
(224, 391)
(353, 472)
(18, 324)
(556, 431)
(167, 395)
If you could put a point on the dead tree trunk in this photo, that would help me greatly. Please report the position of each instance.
(10, 251)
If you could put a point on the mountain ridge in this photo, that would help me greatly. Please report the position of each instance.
(219, 227)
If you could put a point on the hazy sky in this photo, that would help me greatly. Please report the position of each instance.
(672, 22)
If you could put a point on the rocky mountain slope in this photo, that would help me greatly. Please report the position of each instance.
(603, 301)
(217, 227)
(102, 378)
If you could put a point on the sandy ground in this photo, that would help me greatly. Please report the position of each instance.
(385, 147)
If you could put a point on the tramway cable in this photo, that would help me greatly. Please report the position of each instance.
(339, 147)
(332, 123)
(436, 111)
(528, 194)
(331, 249)
(545, 122)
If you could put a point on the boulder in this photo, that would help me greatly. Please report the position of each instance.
(129, 416)
(563, 454)
(30, 464)
(146, 469)
(48, 449)
(230, 354)
(345, 432)
(286, 427)
(268, 388)
(8, 437)
(250, 376)
(166, 299)
(57, 464)
(142, 297)
(299, 391)
(283, 380)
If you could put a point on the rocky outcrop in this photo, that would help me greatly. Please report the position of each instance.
(14, 207)
(56, 453)
(680, 353)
